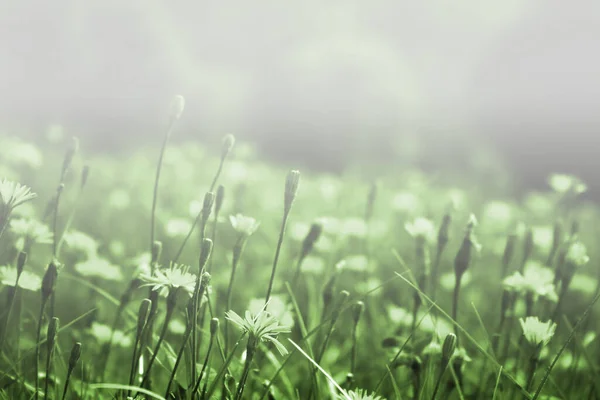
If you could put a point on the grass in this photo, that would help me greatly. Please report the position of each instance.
(352, 286)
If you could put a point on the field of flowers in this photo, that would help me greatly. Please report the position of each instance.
(188, 272)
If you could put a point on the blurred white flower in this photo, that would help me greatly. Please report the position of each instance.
(244, 225)
(536, 332)
(421, 228)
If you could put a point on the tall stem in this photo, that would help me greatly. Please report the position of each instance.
(277, 251)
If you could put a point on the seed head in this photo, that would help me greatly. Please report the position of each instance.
(291, 189)
(228, 142)
(177, 107)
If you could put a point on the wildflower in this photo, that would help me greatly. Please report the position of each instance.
(357, 263)
(563, 183)
(536, 332)
(243, 225)
(406, 202)
(261, 326)
(277, 307)
(30, 230)
(536, 280)
(178, 227)
(356, 227)
(27, 280)
(99, 268)
(165, 279)
(103, 334)
(577, 255)
(358, 394)
(81, 243)
(421, 228)
(13, 194)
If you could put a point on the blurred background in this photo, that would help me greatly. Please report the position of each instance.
(316, 83)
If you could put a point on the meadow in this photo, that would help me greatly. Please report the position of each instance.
(184, 271)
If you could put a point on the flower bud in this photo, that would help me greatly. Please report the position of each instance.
(448, 348)
(357, 310)
(205, 252)
(228, 142)
(143, 313)
(311, 238)
(49, 281)
(75, 354)
(443, 233)
(177, 107)
(214, 326)
(291, 189)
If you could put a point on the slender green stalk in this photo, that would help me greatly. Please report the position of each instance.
(50, 342)
(37, 349)
(142, 320)
(214, 329)
(250, 352)
(175, 113)
(237, 252)
(186, 337)
(291, 189)
(202, 281)
(171, 303)
(75, 354)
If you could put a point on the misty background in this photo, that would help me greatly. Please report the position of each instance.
(314, 82)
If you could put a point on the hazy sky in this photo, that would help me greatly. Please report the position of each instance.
(522, 72)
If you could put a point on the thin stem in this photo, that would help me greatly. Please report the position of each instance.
(277, 251)
(237, 252)
(438, 381)
(163, 333)
(186, 337)
(156, 180)
(455, 299)
(67, 381)
(37, 349)
(250, 350)
(204, 365)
